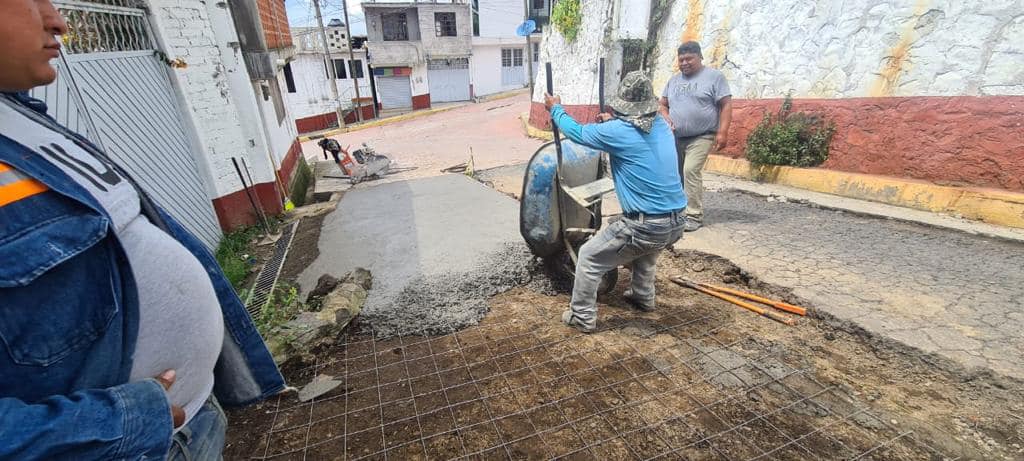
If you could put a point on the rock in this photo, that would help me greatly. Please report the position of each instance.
(698, 267)
(324, 285)
(783, 199)
(320, 385)
(337, 309)
(771, 198)
(361, 277)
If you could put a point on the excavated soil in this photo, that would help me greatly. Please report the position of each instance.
(698, 378)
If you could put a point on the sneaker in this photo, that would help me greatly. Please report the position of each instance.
(571, 320)
(642, 306)
(691, 225)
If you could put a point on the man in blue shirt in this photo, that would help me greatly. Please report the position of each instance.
(646, 175)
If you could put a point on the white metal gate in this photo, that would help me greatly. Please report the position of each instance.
(395, 92)
(114, 89)
(448, 79)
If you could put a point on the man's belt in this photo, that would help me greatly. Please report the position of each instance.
(638, 216)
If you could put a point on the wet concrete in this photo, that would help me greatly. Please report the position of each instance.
(437, 247)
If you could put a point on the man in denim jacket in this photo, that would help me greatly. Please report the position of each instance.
(644, 168)
(119, 335)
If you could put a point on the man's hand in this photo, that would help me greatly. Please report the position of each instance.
(166, 380)
(721, 139)
(604, 117)
(551, 101)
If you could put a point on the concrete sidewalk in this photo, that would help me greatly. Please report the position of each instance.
(957, 293)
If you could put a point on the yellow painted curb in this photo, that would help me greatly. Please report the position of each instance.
(993, 206)
(534, 132)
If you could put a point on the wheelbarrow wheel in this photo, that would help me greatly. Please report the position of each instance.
(567, 269)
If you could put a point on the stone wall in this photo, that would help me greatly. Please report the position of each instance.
(930, 90)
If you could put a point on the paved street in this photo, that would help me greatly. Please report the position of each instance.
(491, 129)
(938, 290)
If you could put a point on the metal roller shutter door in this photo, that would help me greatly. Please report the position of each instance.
(395, 92)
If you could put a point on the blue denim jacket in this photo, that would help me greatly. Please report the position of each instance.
(69, 320)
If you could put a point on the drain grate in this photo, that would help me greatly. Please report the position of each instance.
(261, 290)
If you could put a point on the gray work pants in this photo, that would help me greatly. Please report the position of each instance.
(622, 242)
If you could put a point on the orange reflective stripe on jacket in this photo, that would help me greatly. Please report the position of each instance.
(15, 186)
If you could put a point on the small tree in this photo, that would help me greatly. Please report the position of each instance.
(792, 139)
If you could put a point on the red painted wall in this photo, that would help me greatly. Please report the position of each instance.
(421, 102)
(316, 122)
(235, 209)
(958, 141)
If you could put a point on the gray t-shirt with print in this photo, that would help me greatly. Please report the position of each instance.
(693, 101)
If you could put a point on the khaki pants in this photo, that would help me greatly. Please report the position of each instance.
(693, 155)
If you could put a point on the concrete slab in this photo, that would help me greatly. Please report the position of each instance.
(437, 247)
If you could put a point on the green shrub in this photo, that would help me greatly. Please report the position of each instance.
(303, 177)
(792, 139)
(566, 17)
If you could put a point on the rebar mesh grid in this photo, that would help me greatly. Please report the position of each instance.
(683, 385)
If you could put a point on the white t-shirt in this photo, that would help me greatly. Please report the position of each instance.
(180, 323)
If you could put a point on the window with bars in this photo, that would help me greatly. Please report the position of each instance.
(93, 29)
(536, 52)
(395, 27)
(444, 25)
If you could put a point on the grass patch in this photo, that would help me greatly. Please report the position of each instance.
(283, 306)
(232, 252)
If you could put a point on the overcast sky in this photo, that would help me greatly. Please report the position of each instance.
(301, 13)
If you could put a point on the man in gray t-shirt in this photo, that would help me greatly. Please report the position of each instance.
(698, 104)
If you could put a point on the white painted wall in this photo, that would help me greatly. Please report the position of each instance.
(499, 18)
(312, 87)
(486, 65)
(209, 85)
(419, 80)
(280, 135)
(856, 48)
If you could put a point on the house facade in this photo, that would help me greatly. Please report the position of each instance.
(178, 91)
(309, 95)
(420, 52)
(432, 52)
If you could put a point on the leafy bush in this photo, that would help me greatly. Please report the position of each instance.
(303, 177)
(566, 17)
(792, 139)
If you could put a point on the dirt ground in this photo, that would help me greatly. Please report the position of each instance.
(696, 379)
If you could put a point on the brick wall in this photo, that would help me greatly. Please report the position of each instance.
(275, 23)
(187, 33)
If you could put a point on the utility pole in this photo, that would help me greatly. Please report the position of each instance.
(330, 65)
(529, 47)
(352, 60)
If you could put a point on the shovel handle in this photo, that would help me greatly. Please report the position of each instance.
(771, 302)
(758, 310)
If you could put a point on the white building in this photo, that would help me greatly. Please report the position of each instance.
(309, 95)
(499, 55)
(455, 50)
(178, 92)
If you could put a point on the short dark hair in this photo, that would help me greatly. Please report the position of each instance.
(690, 48)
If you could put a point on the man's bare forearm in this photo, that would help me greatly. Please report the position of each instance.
(725, 115)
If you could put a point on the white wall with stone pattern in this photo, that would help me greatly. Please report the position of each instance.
(574, 64)
(853, 48)
(186, 30)
(822, 49)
